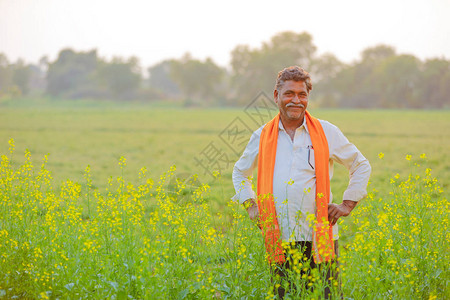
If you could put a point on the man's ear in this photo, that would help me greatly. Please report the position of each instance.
(275, 95)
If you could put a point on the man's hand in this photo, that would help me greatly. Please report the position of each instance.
(252, 209)
(336, 211)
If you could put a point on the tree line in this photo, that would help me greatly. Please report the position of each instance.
(380, 78)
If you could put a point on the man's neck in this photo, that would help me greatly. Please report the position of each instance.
(291, 125)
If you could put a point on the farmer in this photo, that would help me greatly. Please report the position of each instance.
(294, 154)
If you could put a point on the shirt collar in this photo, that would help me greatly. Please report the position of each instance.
(281, 127)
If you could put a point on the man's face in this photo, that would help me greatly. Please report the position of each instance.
(292, 100)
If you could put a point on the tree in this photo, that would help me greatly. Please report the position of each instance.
(323, 71)
(369, 83)
(5, 73)
(358, 85)
(255, 70)
(398, 80)
(73, 74)
(290, 48)
(161, 80)
(374, 55)
(120, 77)
(197, 79)
(325, 67)
(21, 76)
(435, 87)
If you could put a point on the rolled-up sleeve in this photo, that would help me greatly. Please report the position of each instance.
(345, 153)
(243, 170)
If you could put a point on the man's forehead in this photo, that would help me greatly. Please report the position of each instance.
(291, 84)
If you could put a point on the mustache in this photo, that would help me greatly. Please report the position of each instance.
(295, 105)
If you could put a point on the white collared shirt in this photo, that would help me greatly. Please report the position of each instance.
(294, 178)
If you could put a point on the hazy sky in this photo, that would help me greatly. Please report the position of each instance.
(157, 30)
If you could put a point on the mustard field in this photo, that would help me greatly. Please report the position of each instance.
(132, 201)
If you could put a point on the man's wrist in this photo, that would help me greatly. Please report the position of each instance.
(249, 203)
(350, 204)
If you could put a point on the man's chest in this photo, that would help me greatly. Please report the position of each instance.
(294, 158)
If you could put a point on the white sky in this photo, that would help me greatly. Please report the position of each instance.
(157, 30)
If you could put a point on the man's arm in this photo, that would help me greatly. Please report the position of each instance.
(345, 153)
(243, 171)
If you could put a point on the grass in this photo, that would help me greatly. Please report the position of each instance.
(80, 134)
(115, 230)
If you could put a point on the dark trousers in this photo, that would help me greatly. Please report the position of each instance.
(300, 265)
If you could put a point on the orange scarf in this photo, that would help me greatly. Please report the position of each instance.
(322, 234)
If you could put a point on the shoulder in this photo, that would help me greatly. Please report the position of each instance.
(252, 147)
(329, 128)
(334, 135)
(256, 135)
(257, 132)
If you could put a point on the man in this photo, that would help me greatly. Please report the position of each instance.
(294, 154)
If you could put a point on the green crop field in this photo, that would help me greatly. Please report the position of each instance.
(92, 223)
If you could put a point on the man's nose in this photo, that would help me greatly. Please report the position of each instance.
(296, 99)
